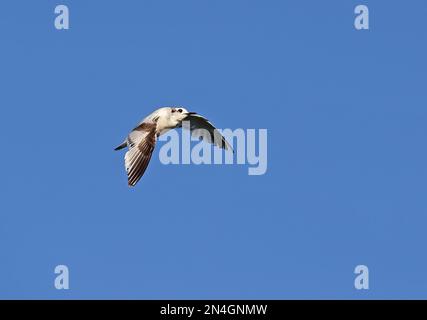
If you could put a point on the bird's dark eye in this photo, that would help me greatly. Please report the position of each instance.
(173, 110)
(179, 110)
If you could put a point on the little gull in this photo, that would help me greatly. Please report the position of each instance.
(142, 140)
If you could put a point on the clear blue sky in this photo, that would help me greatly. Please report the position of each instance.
(346, 117)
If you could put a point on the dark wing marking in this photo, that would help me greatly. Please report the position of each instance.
(141, 143)
(208, 133)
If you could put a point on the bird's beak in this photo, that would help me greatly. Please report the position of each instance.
(191, 113)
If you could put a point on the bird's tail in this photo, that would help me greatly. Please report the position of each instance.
(121, 146)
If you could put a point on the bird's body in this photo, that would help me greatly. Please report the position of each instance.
(142, 139)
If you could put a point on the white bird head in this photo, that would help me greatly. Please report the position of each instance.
(178, 114)
(168, 117)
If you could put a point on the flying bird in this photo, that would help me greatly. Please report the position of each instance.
(142, 139)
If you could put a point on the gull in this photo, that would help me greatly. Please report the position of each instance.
(142, 139)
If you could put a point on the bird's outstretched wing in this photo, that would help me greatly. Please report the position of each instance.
(141, 142)
(208, 133)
